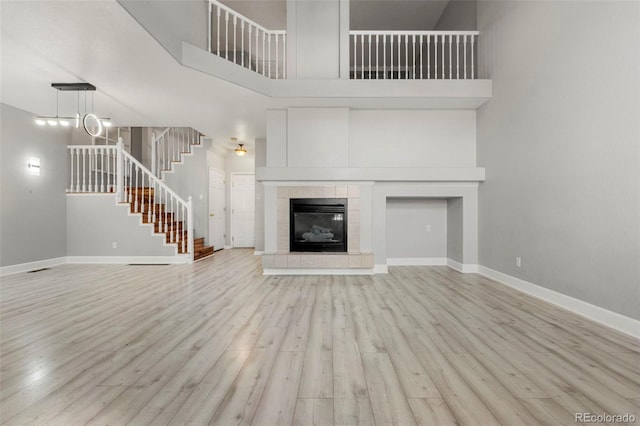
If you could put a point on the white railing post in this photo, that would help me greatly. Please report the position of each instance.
(209, 28)
(190, 226)
(154, 160)
(119, 171)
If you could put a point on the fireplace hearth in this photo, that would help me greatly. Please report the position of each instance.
(318, 225)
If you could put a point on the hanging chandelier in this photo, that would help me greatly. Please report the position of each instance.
(91, 123)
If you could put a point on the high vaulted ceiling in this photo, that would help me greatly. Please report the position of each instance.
(138, 82)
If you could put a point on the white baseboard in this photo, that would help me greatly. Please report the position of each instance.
(150, 260)
(258, 253)
(380, 269)
(32, 266)
(228, 247)
(611, 319)
(327, 271)
(465, 268)
(416, 261)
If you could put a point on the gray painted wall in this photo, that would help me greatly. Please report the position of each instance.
(95, 222)
(406, 228)
(171, 22)
(560, 143)
(191, 178)
(32, 208)
(458, 15)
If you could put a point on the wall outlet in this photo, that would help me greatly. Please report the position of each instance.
(428, 228)
(518, 261)
(114, 245)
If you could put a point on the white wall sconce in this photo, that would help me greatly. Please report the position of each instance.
(34, 166)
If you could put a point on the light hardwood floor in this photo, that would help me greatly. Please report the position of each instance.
(218, 343)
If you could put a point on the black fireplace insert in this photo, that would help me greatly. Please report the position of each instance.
(318, 224)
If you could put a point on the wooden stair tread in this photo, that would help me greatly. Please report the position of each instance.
(141, 201)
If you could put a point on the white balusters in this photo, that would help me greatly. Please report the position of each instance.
(170, 146)
(428, 56)
(94, 169)
(237, 31)
(413, 54)
(91, 168)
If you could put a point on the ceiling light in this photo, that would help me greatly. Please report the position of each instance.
(106, 123)
(52, 122)
(240, 150)
(40, 122)
(63, 122)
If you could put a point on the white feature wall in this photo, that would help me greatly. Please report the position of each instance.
(412, 138)
(364, 139)
(318, 137)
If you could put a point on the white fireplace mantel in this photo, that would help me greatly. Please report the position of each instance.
(372, 174)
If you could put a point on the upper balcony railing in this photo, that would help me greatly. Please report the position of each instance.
(413, 55)
(374, 55)
(244, 42)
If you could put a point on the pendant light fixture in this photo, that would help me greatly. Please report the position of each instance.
(92, 124)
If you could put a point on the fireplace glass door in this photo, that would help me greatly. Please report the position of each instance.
(318, 224)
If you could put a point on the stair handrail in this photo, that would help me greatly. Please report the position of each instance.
(261, 41)
(163, 156)
(154, 142)
(109, 169)
(187, 205)
(242, 17)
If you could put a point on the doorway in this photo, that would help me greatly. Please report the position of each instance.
(217, 209)
(243, 187)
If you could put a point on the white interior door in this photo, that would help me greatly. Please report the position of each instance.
(243, 188)
(216, 209)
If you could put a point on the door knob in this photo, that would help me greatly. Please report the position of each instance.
(212, 214)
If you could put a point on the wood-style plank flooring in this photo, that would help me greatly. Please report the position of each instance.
(218, 343)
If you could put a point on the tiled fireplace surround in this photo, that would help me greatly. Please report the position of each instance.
(283, 260)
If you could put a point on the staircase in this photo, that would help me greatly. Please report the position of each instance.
(169, 147)
(107, 169)
(142, 201)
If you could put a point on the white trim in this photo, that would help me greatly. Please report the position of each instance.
(380, 269)
(416, 261)
(151, 260)
(465, 268)
(327, 271)
(258, 253)
(228, 247)
(595, 313)
(31, 266)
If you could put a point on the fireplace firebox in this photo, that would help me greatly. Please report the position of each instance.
(318, 224)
